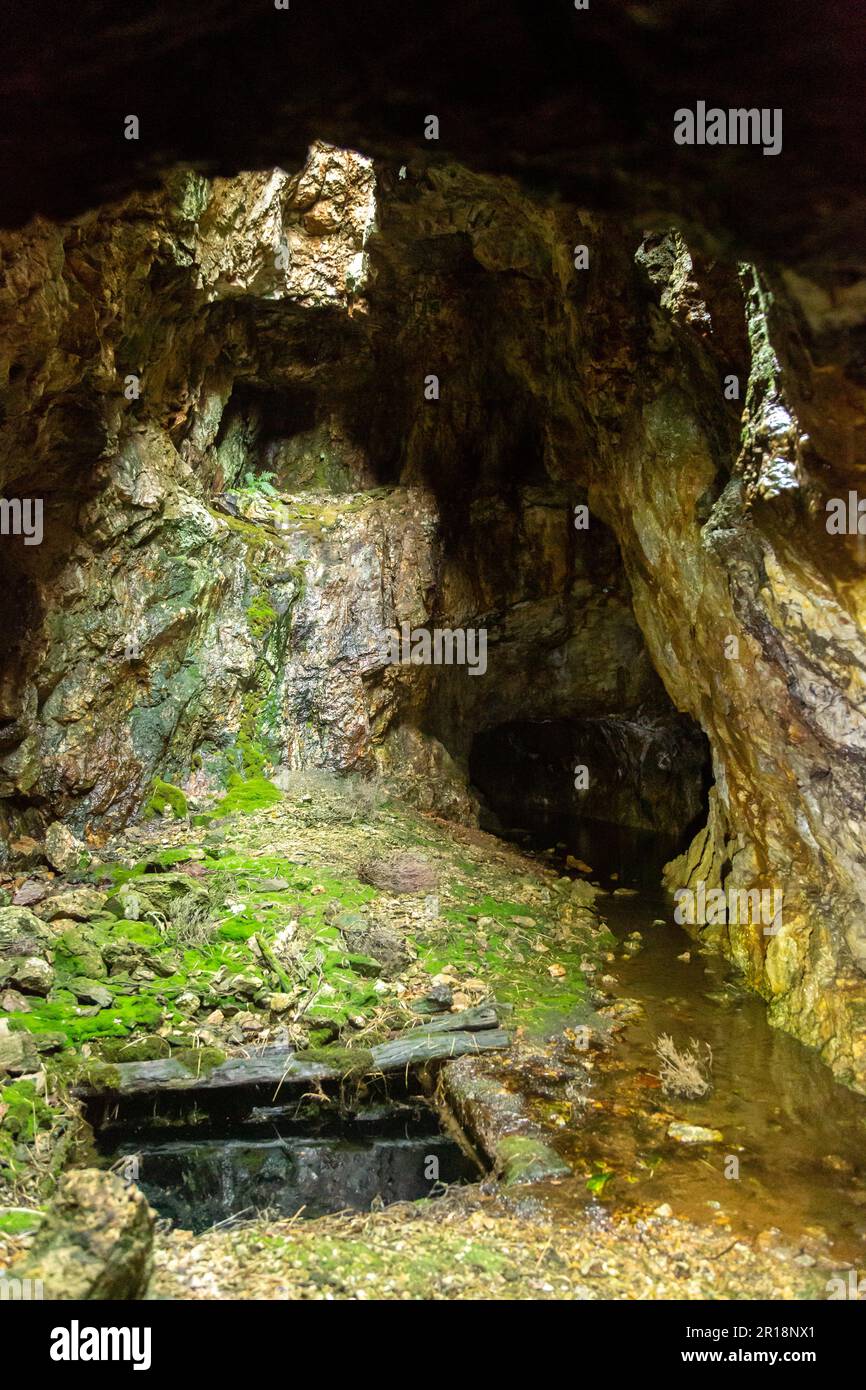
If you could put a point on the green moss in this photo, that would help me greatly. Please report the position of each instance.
(517, 972)
(243, 796)
(19, 1221)
(63, 1014)
(164, 795)
(520, 1158)
(261, 616)
(346, 1061)
(165, 858)
(102, 1076)
(199, 1060)
(150, 1048)
(25, 1114)
(140, 933)
(253, 535)
(253, 756)
(76, 954)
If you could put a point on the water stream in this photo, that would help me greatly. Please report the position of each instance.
(796, 1137)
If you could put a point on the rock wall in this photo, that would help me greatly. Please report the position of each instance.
(753, 613)
(226, 539)
(217, 392)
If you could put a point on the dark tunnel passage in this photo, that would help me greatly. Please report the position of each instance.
(602, 788)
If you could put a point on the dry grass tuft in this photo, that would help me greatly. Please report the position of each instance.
(688, 1073)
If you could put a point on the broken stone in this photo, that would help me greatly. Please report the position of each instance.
(11, 1002)
(247, 986)
(26, 851)
(438, 999)
(382, 943)
(75, 951)
(188, 1003)
(521, 1159)
(77, 903)
(96, 1241)
(693, 1134)
(18, 1055)
(18, 927)
(279, 1003)
(582, 893)
(62, 850)
(153, 894)
(91, 992)
(33, 975)
(32, 891)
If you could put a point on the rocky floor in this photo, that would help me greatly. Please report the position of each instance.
(317, 918)
(472, 1244)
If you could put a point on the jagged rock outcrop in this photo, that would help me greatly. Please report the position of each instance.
(754, 615)
(245, 487)
(579, 102)
(223, 552)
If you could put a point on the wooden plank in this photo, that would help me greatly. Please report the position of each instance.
(469, 1020)
(277, 1068)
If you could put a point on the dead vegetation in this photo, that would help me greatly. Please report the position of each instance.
(399, 872)
(686, 1073)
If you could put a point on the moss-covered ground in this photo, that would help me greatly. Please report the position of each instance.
(252, 923)
(237, 931)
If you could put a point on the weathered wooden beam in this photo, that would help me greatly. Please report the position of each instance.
(482, 1016)
(436, 1047)
(278, 1068)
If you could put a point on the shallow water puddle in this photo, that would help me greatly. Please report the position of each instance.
(793, 1149)
(796, 1136)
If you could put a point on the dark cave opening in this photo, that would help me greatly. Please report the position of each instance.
(625, 791)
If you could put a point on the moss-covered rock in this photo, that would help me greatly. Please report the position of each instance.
(522, 1159)
(199, 1061)
(164, 796)
(96, 1241)
(76, 953)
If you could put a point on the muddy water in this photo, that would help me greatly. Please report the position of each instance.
(798, 1138)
